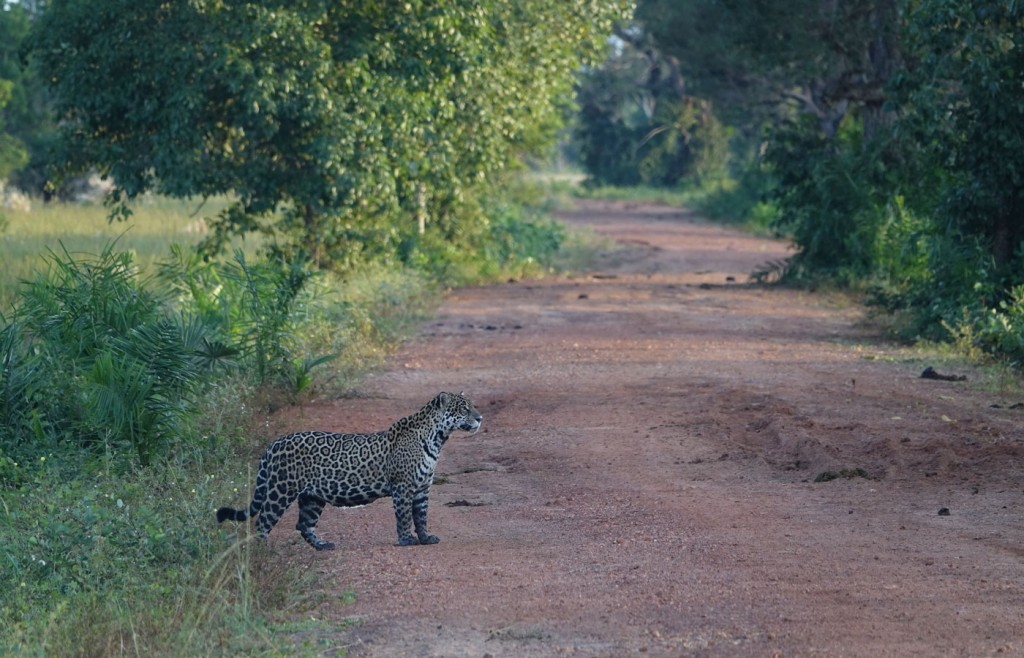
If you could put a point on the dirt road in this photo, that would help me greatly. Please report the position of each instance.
(645, 480)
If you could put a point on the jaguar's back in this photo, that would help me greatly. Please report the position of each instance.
(343, 469)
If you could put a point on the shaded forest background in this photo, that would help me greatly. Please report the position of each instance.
(883, 137)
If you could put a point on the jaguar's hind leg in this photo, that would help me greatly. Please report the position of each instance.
(278, 500)
(310, 508)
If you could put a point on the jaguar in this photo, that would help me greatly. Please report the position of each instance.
(348, 470)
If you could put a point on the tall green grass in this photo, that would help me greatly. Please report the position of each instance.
(118, 439)
(102, 562)
(157, 222)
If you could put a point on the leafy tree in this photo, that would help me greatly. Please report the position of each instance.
(763, 61)
(12, 152)
(337, 125)
(750, 75)
(963, 101)
(638, 125)
(804, 85)
(26, 125)
(13, 27)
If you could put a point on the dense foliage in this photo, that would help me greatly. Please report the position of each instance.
(13, 28)
(964, 96)
(98, 358)
(27, 125)
(346, 129)
(638, 125)
(882, 136)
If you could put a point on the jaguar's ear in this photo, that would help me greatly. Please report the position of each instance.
(441, 401)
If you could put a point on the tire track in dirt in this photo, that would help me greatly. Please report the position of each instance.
(644, 480)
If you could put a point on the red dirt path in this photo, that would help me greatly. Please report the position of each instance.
(644, 482)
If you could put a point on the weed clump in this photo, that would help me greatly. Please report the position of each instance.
(846, 473)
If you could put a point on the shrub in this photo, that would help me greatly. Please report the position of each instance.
(938, 280)
(1000, 330)
(253, 310)
(97, 359)
(830, 196)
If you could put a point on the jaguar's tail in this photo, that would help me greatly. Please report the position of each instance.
(259, 496)
(225, 513)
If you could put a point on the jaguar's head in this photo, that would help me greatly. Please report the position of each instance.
(458, 411)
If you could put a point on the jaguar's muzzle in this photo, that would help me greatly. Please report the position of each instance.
(471, 424)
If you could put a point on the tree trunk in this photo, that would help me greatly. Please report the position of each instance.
(884, 57)
(1007, 233)
(421, 209)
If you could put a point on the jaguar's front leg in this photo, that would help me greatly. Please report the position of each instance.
(402, 498)
(419, 516)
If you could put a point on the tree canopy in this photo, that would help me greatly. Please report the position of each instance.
(756, 59)
(333, 123)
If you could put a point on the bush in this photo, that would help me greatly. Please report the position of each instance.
(254, 310)
(830, 196)
(999, 330)
(739, 195)
(516, 243)
(94, 358)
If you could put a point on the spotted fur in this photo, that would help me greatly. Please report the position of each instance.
(345, 470)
